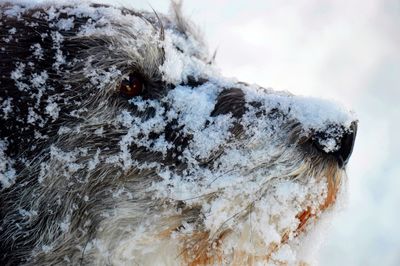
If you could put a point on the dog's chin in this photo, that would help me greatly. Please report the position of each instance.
(268, 227)
(271, 229)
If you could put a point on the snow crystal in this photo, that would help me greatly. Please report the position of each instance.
(39, 80)
(44, 169)
(6, 106)
(37, 50)
(17, 74)
(65, 24)
(99, 132)
(315, 113)
(64, 130)
(7, 172)
(101, 78)
(59, 57)
(312, 113)
(14, 11)
(195, 105)
(27, 214)
(34, 118)
(12, 30)
(53, 110)
(65, 224)
(47, 248)
(52, 13)
(95, 161)
(178, 66)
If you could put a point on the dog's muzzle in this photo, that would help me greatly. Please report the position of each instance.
(345, 143)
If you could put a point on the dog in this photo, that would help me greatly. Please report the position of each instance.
(122, 144)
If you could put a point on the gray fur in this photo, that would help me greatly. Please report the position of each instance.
(96, 172)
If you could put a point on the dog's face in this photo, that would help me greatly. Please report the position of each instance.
(122, 143)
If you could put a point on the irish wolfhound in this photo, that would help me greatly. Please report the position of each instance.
(121, 144)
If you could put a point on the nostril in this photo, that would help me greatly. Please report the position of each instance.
(346, 145)
(343, 143)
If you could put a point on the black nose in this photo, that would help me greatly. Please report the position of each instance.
(345, 141)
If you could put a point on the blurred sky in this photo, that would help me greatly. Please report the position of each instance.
(346, 50)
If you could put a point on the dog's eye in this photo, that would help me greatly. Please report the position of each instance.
(132, 86)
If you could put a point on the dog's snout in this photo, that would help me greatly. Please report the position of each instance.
(344, 144)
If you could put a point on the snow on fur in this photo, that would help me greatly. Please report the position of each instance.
(160, 177)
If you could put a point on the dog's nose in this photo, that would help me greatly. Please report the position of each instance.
(344, 144)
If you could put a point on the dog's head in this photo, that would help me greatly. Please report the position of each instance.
(121, 142)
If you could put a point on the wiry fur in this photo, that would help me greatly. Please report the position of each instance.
(101, 179)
